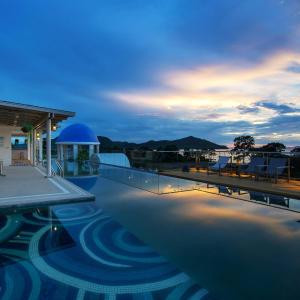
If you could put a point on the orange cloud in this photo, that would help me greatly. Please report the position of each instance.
(221, 88)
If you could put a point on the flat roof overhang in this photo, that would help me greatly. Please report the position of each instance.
(17, 114)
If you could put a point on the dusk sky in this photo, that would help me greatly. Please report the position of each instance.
(158, 69)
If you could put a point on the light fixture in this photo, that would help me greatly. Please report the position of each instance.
(54, 128)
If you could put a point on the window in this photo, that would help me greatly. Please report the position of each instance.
(1, 141)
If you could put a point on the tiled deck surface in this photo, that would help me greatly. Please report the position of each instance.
(289, 189)
(27, 185)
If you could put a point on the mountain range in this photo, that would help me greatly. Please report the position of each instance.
(189, 142)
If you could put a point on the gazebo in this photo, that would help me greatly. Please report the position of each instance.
(75, 139)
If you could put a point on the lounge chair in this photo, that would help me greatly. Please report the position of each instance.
(219, 165)
(278, 200)
(224, 190)
(252, 167)
(258, 196)
(274, 169)
(185, 168)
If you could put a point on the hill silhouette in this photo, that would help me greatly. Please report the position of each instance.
(187, 143)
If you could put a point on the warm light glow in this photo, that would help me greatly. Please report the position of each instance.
(215, 92)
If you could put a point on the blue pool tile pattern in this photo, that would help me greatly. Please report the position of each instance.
(78, 252)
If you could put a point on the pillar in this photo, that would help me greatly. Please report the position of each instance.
(48, 145)
(40, 145)
(91, 150)
(97, 148)
(75, 152)
(60, 152)
(28, 146)
(62, 157)
(66, 152)
(34, 160)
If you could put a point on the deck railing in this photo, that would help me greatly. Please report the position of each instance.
(162, 161)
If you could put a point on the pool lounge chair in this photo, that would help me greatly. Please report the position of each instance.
(253, 166)
(258, 196)
(274, 169)
(220, 165)
(278, 200)
(224, 190)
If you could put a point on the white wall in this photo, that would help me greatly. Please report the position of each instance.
(5, 150)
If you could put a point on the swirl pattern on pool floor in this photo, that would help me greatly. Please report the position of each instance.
(77, 252)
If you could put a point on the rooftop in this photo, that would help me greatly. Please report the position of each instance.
(77, 134)
(27, 185)
(17, 114)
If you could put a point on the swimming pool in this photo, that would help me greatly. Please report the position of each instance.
(132, 244)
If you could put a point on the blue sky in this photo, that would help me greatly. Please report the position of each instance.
(138, 70)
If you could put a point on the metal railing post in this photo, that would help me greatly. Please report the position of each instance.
(289, 169)
(48, 143)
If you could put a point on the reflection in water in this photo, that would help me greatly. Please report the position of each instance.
(75, 168)
(160, 184)
(78, 252)
(236, 249)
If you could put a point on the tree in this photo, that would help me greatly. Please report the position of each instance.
(273, 147)
(83, 155)
(244, 142)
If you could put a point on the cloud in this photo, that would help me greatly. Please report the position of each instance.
(280, 108)
(220, 90)
(294, 67)
(247, 109)
(151, 69)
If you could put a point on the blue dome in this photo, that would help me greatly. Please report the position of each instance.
(77, 134)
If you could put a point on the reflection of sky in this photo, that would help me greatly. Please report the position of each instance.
(140, 70)
(232, 247)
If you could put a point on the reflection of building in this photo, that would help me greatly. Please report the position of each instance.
(77, 141)
(16, 232)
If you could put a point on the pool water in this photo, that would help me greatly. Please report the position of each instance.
(134, 244)
(79, 252)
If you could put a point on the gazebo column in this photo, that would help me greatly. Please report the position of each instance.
(58, 152)
(97, 148)
(61, 152)
(75, 152)
(91, 150)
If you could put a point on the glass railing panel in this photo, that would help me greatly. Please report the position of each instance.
(133, 177)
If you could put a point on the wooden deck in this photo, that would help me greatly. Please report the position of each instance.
(288, 189)
(27, 185)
